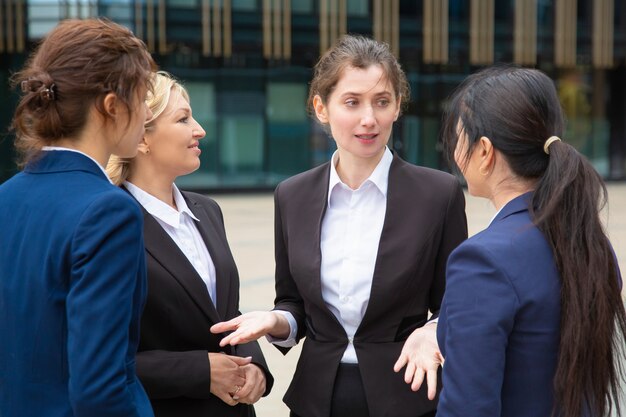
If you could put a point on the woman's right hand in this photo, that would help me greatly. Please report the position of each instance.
(251, 326)
(227, 375)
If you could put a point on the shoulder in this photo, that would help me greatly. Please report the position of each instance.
(201, 200)
(428, 177)
(315, 176)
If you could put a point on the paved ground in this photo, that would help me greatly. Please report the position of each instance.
(249, 225)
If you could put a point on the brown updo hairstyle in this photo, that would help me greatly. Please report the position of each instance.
(76, 65)
(358, 52)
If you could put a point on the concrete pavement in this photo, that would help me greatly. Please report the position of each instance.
(249, 225)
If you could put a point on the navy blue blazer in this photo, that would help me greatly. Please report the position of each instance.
(72, 287)
(499, 321)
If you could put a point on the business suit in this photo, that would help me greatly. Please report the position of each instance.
(72, 288)
(424, 221)
(172, 361)
(499, 322)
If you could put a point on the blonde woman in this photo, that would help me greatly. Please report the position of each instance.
(193, 279)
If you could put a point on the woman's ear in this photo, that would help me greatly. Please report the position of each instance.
(320, 109)
(398, 105)
(110, 104)
(143, 146)
(487, 154)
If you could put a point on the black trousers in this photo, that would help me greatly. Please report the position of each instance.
(348, 395)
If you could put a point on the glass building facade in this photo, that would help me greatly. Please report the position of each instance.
(247, 65)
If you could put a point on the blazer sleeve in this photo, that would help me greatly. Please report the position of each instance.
(106, 255)
(288, 297)
(169, 374)
(454, 233)
(480, 307)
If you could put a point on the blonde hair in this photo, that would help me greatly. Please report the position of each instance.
(164, 84)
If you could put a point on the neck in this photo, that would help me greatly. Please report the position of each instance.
(508, 190)
(92, 148)
(353, 171)
(153, 183)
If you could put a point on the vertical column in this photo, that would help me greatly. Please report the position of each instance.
(435, 31)
(217, 29)
(287, 29)
(386, 23)
(206, 27)
(19, 26)
(162, 28)
(603, 32)
(481, 32)
(1, 29)
(10, 30)
(228, 29)
(333, 22)
(150, 24)
(565, 33)
(277, 29)
(138, 19)
(276, 32)
(525, 32)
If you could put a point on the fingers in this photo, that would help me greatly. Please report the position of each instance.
(418, 378)
(235, 338)
(254, 388)
(225, 396)
(431, 381)
(239, 360)
(226, 326)
(402, 360)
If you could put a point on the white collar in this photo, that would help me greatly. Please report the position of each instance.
(158, 208)
(60, 148)
(379, 177)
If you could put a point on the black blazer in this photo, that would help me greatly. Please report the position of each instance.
(172, 361)
(424, 222)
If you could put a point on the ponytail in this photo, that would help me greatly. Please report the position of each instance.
(566, 205)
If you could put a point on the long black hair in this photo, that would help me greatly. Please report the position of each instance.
(518, 110)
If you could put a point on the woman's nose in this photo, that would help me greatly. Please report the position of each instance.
(198, 131)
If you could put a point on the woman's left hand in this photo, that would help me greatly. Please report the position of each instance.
(421, 356)
(254, 387)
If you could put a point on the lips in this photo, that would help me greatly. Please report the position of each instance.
(194, 145)
(366, 136)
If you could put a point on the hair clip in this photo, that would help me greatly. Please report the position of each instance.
(48, 93)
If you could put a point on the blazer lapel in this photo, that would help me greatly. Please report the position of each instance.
(213, 241)
(313, 210)
(165, 251)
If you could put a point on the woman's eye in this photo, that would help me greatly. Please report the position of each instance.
(184, 120)
(351, 103)
(383, 102)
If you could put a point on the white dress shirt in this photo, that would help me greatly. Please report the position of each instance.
(351, 231)
(179, 225)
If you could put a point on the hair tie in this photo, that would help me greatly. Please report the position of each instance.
(546, 146)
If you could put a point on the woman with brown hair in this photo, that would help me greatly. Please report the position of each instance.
(72, 261)
(532, 319)
(361, 246)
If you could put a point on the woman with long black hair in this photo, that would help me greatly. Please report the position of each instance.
(532, 314)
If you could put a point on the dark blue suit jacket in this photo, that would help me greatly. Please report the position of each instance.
(72, 287)
(499, 322)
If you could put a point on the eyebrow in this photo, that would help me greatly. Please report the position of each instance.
(351, 93)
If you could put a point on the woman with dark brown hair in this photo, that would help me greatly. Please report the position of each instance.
(361, 246)
(72, 261)
(532, 317)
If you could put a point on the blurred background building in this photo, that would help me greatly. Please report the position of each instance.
(247, 64)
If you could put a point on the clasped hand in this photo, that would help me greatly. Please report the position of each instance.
(235, 380)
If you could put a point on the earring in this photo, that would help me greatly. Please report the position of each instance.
(148, 151)
(483, 172)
